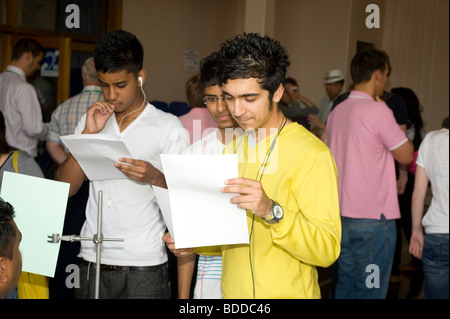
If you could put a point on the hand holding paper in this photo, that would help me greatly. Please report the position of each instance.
(251, 196)
(194, 207)
(170, 243)
(97, 154)
(141, 172)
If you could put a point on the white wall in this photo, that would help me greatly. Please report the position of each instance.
(166, 28)
(318, 35)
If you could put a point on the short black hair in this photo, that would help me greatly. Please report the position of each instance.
(7, 230)
(118, 50)
(251, 55)
(413, 107)
(366, 62)
(25, 45)
(209, 71)
(291, 81)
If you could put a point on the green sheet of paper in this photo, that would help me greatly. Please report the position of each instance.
(40, 207)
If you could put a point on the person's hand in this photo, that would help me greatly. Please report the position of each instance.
(251, 196)
(170, 243)
(402, 181)
(313, 119)
(96, 117)
(139, 171)
(416, 244)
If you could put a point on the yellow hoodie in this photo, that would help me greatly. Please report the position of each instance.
(281, 260)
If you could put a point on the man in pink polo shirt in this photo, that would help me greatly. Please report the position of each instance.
(365, 140)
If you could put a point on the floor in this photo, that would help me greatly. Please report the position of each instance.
(409, 285)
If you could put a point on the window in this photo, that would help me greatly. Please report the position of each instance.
(37, 14)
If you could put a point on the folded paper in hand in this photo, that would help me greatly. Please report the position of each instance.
(97, 153)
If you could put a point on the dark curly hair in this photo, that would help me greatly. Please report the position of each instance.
(251, 55)
(118, 50)
(7, 230)
(209, 68)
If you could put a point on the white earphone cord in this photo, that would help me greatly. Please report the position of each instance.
(143, 103)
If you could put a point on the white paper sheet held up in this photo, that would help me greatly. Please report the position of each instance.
(97, 153)
(162, 196)
(40, 208)
(201, 214)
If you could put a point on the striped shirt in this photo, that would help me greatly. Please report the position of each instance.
(67, 115)
(209, 267)
(22, 111)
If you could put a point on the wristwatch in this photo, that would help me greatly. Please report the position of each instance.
(276, 214)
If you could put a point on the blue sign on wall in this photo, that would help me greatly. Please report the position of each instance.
(50, 63)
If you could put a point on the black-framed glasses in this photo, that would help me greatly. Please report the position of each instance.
(212, 99)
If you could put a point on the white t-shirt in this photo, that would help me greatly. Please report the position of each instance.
(208, 145)
(434, 158)
(130, 209)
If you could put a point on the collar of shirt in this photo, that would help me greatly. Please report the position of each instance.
(92, 88)
(17, 71)
(360, 95)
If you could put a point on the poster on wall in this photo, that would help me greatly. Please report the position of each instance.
(50, 63)
(191, 60)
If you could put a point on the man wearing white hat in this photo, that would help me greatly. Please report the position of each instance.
(334, 82)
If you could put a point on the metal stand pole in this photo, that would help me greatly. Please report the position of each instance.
(97, 239)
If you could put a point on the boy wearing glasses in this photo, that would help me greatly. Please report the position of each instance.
(209, 270)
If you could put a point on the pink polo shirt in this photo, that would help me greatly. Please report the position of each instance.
(361, 135)
(198, 122)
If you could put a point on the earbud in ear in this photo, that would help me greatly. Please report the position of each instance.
(140, 81)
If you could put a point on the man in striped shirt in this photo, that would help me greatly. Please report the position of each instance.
(68, 114)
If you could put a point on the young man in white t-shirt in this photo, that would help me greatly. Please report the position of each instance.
(137, 267)
(429, 237)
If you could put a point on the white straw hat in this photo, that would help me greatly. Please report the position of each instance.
(333, 76)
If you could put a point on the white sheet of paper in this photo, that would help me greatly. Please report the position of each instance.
(97, 153)
(40, 208)
(162, 196)
(201, 214)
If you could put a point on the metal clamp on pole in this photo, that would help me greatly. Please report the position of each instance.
(97, 239)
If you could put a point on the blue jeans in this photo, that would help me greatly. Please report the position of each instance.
(364, 266)
(435, 266)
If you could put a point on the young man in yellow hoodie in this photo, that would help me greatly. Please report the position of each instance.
(287, 182)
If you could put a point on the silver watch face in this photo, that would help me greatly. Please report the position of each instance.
(277, 211)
